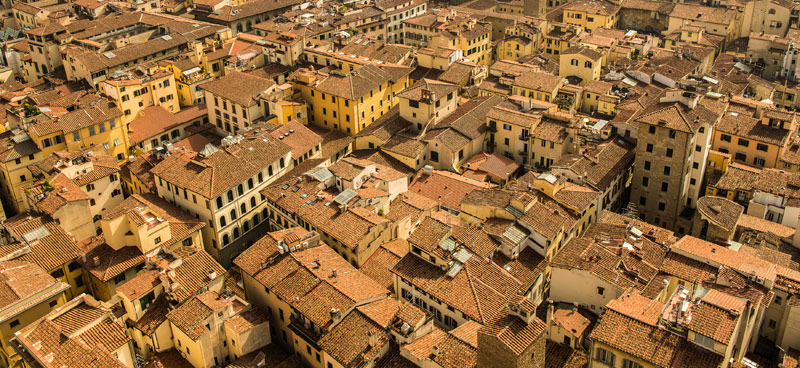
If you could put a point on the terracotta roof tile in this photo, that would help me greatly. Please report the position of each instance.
(562, 356)
(305, 278)
(379, 264)
(223, 169)
(49, 251)
(349, 341)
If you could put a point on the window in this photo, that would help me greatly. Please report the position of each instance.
(600, 290)
(53, 303)
(778, 300)
(434, 156)
(222, 222)
(772, 323)
(645, 181)
(57, 274)
(704, 341)
(73, 266)
(605, 356)
(725, 138)
(642, 201)
(666, 170)
(652, 129)
(587, 64)
(14, 323)
(740, 156)
(669, 152)
(76, 136)
(743, 142)
(759, 161)
(649, 147)
(664, 186)
(762, 147)
(671, 134)
(661, 206)
(157, 240)
(630, 364)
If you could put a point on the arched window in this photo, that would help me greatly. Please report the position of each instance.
(588, 64)
(219, 202)
(772, 11)
(230, 195)
(255, 219)
(269, 170)
(260, 177)
(252, 201)
(225, 239)
(239, 27)
(240, 189)
(265, 213)
(246, 226)
(574, 62)
(249, 183)
(233, 214)
(222, 221)
(243, 208)
(235, 232)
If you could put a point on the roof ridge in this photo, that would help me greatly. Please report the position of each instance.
(474, 293)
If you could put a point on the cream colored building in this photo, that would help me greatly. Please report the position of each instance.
(220, 185)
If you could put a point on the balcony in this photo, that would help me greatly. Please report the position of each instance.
(525, 136)
(305, 330)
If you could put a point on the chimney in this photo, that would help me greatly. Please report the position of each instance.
(435, 350)
(333, 273)
(96, 260)
(212, 275)
(335, 314)
(373, 338)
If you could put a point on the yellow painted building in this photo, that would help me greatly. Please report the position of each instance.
(14, 173)
(471, 37)
(68, 328)
(188, 78)
(537, 85)
(349, 102)
(754, 140)
(581, 62)
(520, 39)
(561, 36)
(153, 87)
(26, 305)
(591, 14)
